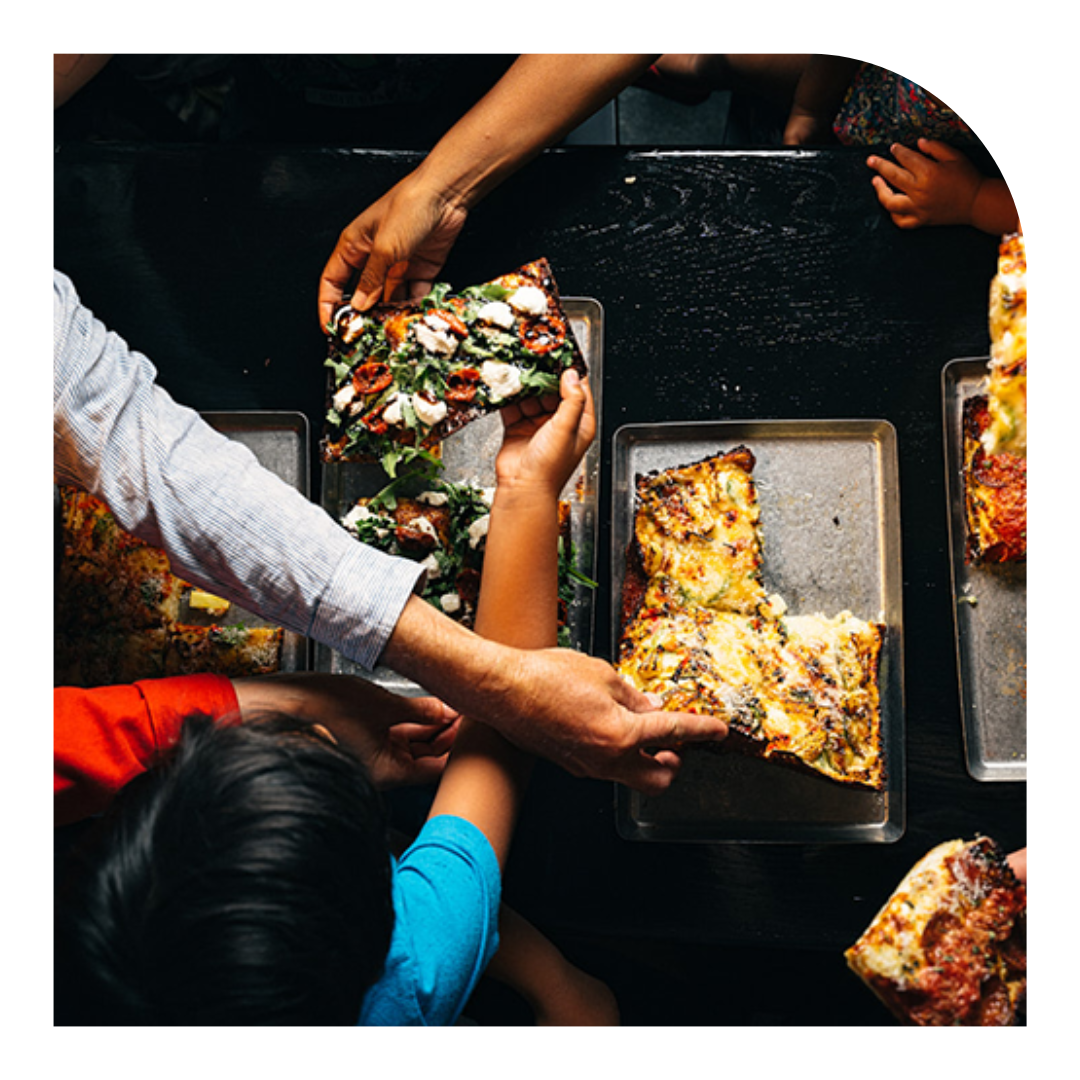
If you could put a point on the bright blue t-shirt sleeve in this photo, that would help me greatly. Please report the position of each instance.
(446, 889)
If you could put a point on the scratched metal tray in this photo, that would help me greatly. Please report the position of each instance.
(280, 443)
(830, 514)
(990, 606)
(469, 456)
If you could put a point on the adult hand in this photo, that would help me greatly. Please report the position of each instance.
(578, 712)
(934, 185)
(401, 740)
(397, 245)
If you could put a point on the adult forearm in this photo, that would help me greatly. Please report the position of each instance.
(535, 104)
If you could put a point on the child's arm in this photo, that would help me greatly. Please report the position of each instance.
(938, 185)
(485, 778)
(559, 994)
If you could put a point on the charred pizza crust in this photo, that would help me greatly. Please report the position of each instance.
(699, 630)
(949, 946)
(411, 374)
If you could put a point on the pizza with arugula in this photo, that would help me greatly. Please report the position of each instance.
(403, 377)
(443, 526)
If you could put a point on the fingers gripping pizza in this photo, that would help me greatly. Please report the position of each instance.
(406, 376)
(700, 631)
(948, 947)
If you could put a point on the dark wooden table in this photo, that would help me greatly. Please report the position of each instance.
(734, 285)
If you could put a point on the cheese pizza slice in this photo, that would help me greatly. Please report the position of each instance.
(699, 630)
(800, 690)
(949, 946)
(697, 536)
(406, 376)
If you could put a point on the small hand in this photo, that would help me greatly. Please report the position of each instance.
(397, 245)
(935, 185)
(544, 438)
(401, 740)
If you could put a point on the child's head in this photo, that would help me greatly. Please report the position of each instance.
(244, 880)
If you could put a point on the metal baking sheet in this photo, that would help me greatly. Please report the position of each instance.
(280, 443)
(990, 606)
(469, 456)
(830, 515)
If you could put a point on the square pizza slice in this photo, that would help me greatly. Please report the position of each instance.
(949, 946)
(408, 375)
(107, 578)
(697, 535)
(800, 690)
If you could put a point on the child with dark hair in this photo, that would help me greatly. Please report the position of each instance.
(248, 877)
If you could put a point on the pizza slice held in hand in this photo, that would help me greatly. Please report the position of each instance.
(406, 376)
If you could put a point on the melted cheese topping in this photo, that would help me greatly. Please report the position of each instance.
(1007, 431)
(892, 945)
(698, 527)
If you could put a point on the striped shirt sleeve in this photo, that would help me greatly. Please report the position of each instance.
(226, 522)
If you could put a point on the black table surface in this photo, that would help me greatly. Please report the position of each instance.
(735, 285)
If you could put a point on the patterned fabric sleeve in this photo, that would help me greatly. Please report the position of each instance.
(226, 523)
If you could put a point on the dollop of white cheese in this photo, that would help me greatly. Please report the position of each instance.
(431, 567)
(497, 313)
(433, 498)
(478, 531)
(351, 325)
(504, 380)
(344, 396)
(361, 513)
(450, 602)
(529, 300)
(428, 412)
(424, 526)
(392, 412)
(434, 336)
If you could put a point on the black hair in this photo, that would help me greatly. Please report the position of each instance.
(244, 880)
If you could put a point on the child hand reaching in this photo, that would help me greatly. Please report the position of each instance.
(938, 185)
(545, 438)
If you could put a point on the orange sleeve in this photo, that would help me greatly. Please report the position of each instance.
(105, 736)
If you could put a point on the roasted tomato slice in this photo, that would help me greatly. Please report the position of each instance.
(461, 384)
(374, 422)
(372, 377)
(453, 322)
(542, 334)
